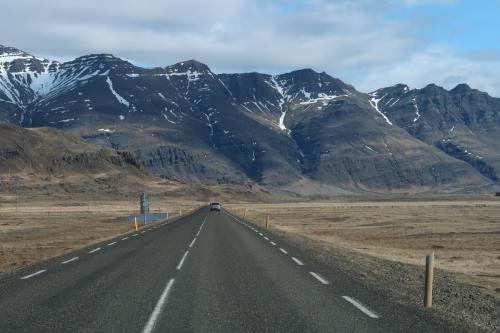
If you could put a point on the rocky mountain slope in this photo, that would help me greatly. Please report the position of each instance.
(463, 122)
(48, 151)
(301, 131)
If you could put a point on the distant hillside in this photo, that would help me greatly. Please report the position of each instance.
(48, 151)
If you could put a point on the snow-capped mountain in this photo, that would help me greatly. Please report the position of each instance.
(301, 131)
(462, 122)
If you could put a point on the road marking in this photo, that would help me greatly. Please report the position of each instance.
(194, 240)
(34, 274)
(361, 307)
(260, 233)
(95, 250)
(69, 260)
(266, 238)
(319, 278)
(297, 261)
(124, 238)
(142, 232)
(182, 260)
(134, 235)
(150, 325)
(283, 250)
(273, 243)
(111, 244)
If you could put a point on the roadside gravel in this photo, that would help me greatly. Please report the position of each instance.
(403, 283)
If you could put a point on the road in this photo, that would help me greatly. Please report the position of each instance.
(206, 272)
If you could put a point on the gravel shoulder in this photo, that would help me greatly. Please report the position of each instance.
(403, 283)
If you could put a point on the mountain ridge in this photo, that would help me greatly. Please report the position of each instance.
(187, 123)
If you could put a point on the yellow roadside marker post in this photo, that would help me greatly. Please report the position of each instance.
(135, 224)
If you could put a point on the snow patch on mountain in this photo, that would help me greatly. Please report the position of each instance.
(417, 111)
(118, 97)
(322, 97)
(284, 97)
(374, 103)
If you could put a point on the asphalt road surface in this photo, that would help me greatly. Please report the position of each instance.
(206, 272)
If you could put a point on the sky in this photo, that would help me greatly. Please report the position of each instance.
(367, 43)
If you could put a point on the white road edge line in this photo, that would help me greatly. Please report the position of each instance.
(283, 250)
(113, 243)
(361, 307)
(124, 238)
(150, 325)
(182, 260)
(192, 243)
(69, 260)
(297, 261)
(134, 235)
(319, 278)
(95, 250)
(34, 274)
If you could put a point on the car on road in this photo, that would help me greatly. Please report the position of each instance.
(215, 206)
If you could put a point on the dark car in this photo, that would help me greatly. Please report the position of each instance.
(215, 206)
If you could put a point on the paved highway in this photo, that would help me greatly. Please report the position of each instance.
(206, 272)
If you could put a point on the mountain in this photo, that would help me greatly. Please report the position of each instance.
(462, 122)
(51, 162)
(303, 131)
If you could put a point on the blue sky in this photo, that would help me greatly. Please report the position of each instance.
(367, 43)
(467, 26)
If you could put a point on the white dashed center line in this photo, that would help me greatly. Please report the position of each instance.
(319, 278)
(34, 274)
(182, 260)
(95, 250)
(111, 244)
(297, 261)
(69, 260)
(124, 238)
(266, 238)
(192, 243)
(273, 243)
(283, 250)
(361, 307)
(134, 235)
(150, 325)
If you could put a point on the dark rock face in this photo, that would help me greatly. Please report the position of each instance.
(462, 122)
(187, 123)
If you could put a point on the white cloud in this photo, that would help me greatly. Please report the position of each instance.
(350, 39)
(439, 65)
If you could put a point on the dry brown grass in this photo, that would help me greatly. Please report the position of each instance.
(44, 230)
(463, 234)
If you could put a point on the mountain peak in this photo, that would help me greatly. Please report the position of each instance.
(461, 88)
(96, 57)
(7, 50)
(189, 65)
(433, 87)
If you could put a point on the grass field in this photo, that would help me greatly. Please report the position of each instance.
(43, 230)
(463, 234)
